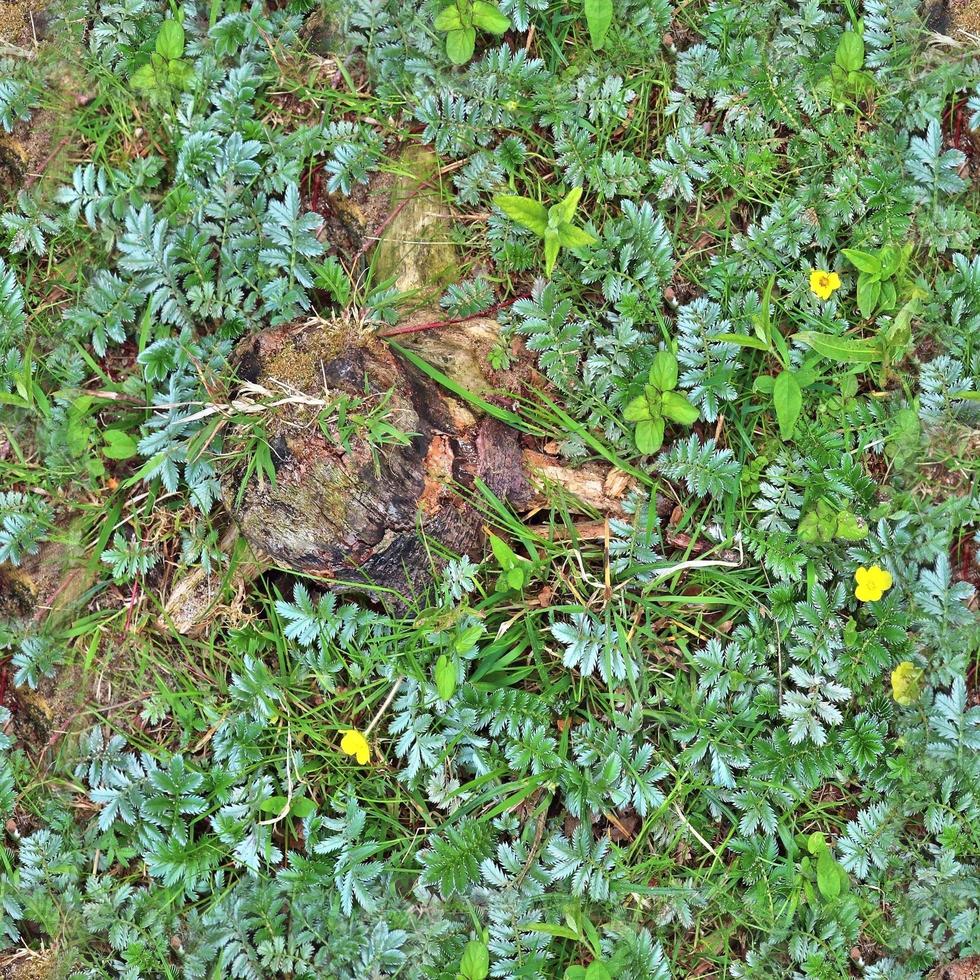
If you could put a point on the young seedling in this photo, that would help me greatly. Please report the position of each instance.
(820, 868)
(847, 76)
(824, 523)
(880, 275)
(461, 19)
(786, 388)
(659, 404)
(166, 69)
(553, 224)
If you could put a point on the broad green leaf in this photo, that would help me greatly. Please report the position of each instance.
(525, 211)
(515, 578)
(502, 552)
(868, 293)
(170, 40)
(144, 79)
(762, 321)
(814, 528)
(828, 880)
(889, 296)
(302, 807)
(764, 383)
(573, 237)
(598, 15)
(467, 639)
(678, 409)
(787, 398)
(475, 964)
(180, 73)
(564, 210)
(650, 435)
(444, 675)
(844, 350)
(898, 335)
(488, 18)
(460, 44)
(862, 261)
(274, 805)
(448, 19)
(663, 371)
(637, 409)
(850, 51)
(551, 247)
(891, 259)
(118, 444)
(849, 528)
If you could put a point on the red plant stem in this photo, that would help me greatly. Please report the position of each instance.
(436, 324)
(132, 603)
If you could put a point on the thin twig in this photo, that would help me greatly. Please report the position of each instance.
(384, 706)
(436, 324)
(687, 823)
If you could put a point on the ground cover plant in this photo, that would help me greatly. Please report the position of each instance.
(718, 716)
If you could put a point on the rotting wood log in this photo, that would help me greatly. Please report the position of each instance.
(347, 509)
(358, 510)
(358, 514)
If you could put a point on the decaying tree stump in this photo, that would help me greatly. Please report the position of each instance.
(352, 511)
(370, 511)
(342, 507)
(965, 969)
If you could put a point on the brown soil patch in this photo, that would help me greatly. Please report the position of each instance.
(955, 18)
(965, 16)
(19, 23)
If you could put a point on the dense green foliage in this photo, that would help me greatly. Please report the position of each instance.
(684, 747)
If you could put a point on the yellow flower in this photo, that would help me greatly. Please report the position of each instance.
(355, 744)
(872, 583)
(907, 682)
(824, 283)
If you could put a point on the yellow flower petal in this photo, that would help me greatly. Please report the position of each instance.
(823, 283)
(355, 744)
(872, 583)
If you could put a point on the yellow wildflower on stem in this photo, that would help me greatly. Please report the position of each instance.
(872, 583)
(355, 743)
(907, 683)
(824, 283)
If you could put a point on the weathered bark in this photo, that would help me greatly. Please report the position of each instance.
(377, 517)
(342, 507)
(47, 587)
(351, 512)
(965, 969)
